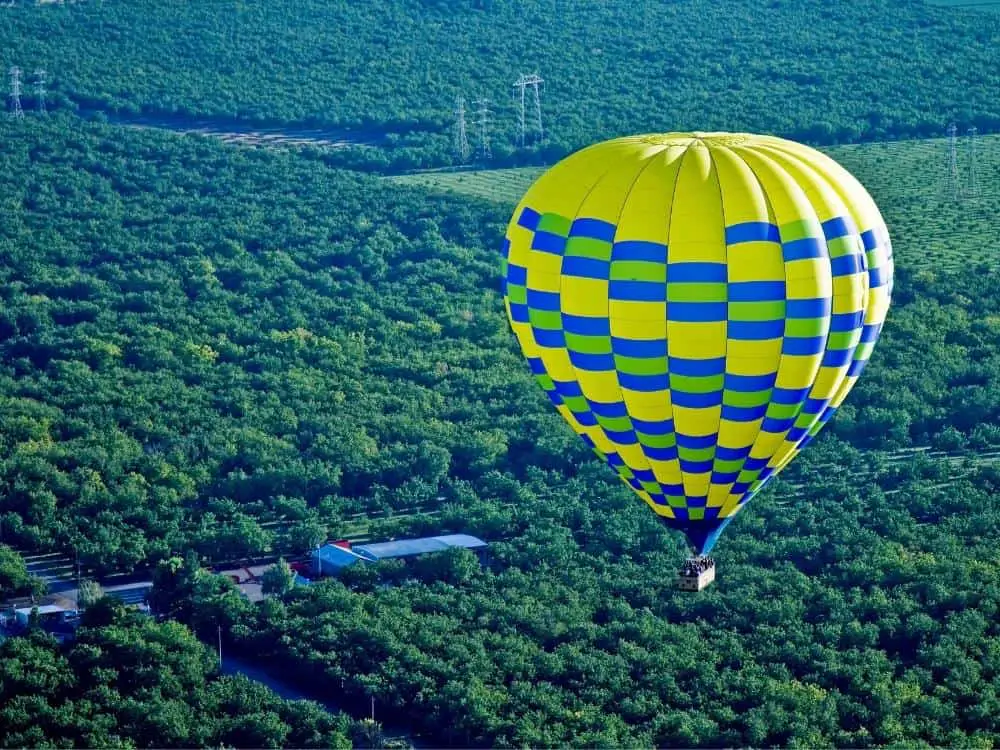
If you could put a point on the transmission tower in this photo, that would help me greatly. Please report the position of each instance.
(953, 183)
(462, 149)
(973, 186)
(521, 86)
(40, 90)
(15, 93)
(483, 124)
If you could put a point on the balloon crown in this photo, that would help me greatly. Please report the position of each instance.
(694, 138)
(697, 306)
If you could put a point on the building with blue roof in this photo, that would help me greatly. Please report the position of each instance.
(422, 546)
(331, 558)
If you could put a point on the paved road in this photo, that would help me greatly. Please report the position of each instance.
(59, 572)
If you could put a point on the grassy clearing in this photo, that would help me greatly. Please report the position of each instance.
(501, 185)
(908, 179)
(992, 6)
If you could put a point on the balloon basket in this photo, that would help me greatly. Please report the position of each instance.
(696, 573)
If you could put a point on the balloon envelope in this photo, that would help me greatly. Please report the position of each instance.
(696, 306)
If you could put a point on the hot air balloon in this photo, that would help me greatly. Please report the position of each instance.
(697, 306)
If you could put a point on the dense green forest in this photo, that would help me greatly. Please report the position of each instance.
(862, 614)
(196, 339)
(129, 682)
(208, 354)
(610, 68)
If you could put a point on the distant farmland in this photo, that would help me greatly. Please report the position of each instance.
(502, 185)
(910, 180)
(988, 5)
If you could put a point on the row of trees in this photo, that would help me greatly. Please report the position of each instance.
(14, 577)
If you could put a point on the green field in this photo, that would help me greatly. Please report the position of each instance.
(500, 185)
(908, 179)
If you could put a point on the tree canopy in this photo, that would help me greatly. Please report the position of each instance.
(208, 354)
(230, 351)
(129, 682)
(393, 68)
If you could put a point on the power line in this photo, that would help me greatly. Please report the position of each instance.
(40, 90)
(953, 183)
(482, 126)
(534, 80)
(973, 186)
(519, 84)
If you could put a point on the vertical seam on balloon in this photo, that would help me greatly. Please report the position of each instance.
(666, 307)
(749, 494)
(843, 385)
(725, 356)
(826, 339)
(846, 386)
(850, 190)
(531, 326)
(820, 176)
(771, 220)
(621, 394)
(576, 373)
(574, 368)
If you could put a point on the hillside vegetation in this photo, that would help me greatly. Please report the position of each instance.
(194, 336)
(131, 682)
(609, 68)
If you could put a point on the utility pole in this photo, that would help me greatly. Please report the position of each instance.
(40, 90)
(483, 123)
(461, 137)
(237, 22)
(76, 562)
(15, 93)
(520, 87)
(973, 187)
(534, 80)
(953, 184)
